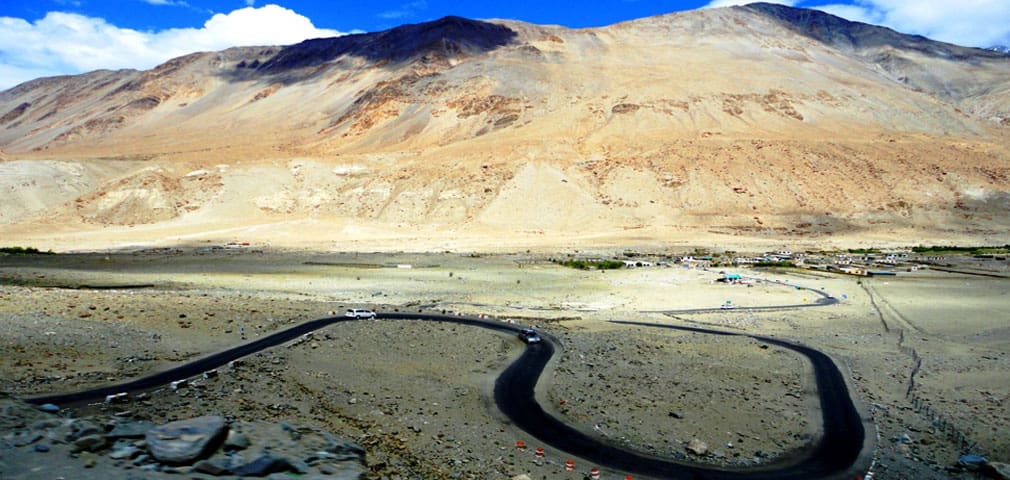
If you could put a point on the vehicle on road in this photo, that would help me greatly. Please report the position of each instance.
(727, 306)
(359, 313)
(529, 336)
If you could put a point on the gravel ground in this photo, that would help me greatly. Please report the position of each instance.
(656, 390)
(417, 394)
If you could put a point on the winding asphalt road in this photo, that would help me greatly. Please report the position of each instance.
(824, 299)
(834, 456)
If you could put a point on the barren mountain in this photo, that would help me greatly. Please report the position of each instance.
(760, 123)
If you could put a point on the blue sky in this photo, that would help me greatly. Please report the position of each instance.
(52, 37)
(350, 15)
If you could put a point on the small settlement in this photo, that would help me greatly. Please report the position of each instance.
(864, 263)
(860, 264)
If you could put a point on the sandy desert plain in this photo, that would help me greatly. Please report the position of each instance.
(417, 395)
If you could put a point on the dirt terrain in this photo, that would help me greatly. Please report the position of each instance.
(639, 133)
(422, 407)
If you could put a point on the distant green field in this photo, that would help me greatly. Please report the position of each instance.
(591, 265)
(775, 264)
(954, 249)
(863, 251)
(23, 251)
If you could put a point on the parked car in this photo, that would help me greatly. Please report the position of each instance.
(359, 313)
(529, 336)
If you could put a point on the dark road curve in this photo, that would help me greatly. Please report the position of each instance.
(210, 362)
(514, 394)
(824, 300)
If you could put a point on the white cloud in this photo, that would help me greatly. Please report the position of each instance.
(171, 3)
(731, 3)
(67, 43)
(856, 13)
(405, 10)
(976, 23)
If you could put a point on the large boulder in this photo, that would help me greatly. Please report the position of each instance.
(129, 430)
(185, 441)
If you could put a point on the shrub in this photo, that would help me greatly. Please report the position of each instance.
(863, 251)
(588, 265)
(948, 249)
(23, 251)
(775, 264)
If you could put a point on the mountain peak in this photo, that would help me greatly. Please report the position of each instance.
(850, 36)
(450, 36)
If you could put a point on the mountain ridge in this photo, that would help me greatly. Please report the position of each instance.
(842, 33)
(447, 36)
(727, 122)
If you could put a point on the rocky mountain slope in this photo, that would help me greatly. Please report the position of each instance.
(762, 121)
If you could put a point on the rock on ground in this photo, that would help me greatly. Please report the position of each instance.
(697, 447)
(185, 441)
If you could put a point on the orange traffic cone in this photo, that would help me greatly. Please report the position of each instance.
(521, 445)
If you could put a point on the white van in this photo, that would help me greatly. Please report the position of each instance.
(359, 313)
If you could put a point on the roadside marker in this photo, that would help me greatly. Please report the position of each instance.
(521, 445)
(540, 452)
(594, 473)
(570, 465)
(114, 397)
